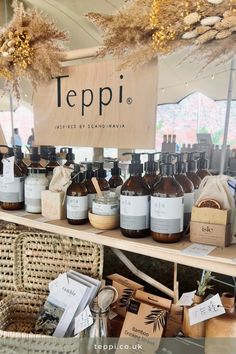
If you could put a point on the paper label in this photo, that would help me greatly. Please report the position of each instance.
(83, 320)
(90, 200)
(8, 169)
(197, 249)
(208, 309)
(134, 212)
(33, 193)
(77, 207)
(188, 202)
(167, 214)
(186, 299)
(105, 209)
(12, 192)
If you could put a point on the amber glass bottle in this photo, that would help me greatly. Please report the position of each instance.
(70, 158)
(89, 174)
(12, 193)
(52, 157)
(187, 185)
(101, 174)
(135, 202)
(192, 169)
(77, 200)
(167, 207)
(19, 160)
(115, 180)
(202, 166)
(151, 169)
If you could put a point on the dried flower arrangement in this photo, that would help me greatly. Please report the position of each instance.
(143, 29)
(31, 46)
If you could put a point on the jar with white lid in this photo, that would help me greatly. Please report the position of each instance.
(35, 183)
(106, 205)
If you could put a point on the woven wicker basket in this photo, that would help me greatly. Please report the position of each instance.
(28, 262)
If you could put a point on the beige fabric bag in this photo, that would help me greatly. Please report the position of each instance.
(61, 179)
(217, 188)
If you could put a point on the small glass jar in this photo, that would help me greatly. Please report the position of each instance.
(106, 205)
(35, 183)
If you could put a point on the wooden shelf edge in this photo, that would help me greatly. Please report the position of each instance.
(146, 247)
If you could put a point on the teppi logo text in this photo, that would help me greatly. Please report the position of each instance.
(87, 96)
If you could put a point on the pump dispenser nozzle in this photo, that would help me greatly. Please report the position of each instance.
(70, 156)
(100, 172)
(151, 166)
(89, 173)
(181, 164)
(167, 167)
(52, 156)
(136, 167)
(34, 156)
(116, 170)
(202, 162)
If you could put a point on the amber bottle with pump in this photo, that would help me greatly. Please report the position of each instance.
(89, 174)
(187, 185)
(115, 180)
(12, 194)
(77, 200)
(35, 158)
(19, 156)
(135, 202)
(101, 174)
(167, 206)
(192, 169)
(151, 169)
(202, 166)
(52, 157)
(70, 158)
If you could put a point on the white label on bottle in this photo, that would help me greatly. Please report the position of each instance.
(167, 215)
(188, 202)
(77, 207)
(208, 309)
(91, 197)
(105, 209)
(8, 169)
(12, 192)
(33, 197)
(134, 212)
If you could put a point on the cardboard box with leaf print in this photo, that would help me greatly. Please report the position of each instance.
(145, 321)
(126, 290)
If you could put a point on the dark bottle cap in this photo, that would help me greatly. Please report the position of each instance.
(52, 155)
(136, 167)
(10, 152)
(18, 153)
(89, 173)
(181, 165)
(191, 162)
(100, 172)
(151, 166)
(115, 170)
(202, 163)
(34, 156)
(168, 168)
(70, 157)
(45, 151)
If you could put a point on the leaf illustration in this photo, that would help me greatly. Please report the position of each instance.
(157, 318)
(125, 298)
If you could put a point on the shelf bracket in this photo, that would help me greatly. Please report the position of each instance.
(145, 277)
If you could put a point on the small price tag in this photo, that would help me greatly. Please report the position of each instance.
(186, 299)
(208, 309)
(197, 249)
(83, 320)
(8, 169)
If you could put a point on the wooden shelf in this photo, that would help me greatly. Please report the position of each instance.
(221, 260)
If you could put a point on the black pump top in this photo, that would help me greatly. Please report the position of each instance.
(52, 155)
(34, 156)
(202, 163)
(89, 173)
(100, 172)
(10, 152)
(115, 170)
(181, 165)
(18, 153)
(191, 162)
(151, 166)
(167, 168)
(136, 167)
(70, 157)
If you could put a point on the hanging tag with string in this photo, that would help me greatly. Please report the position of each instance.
(8, 169)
